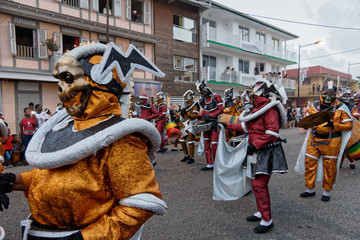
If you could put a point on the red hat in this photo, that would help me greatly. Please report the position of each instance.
(144, 96)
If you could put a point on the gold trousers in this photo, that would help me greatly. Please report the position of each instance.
(329, 155)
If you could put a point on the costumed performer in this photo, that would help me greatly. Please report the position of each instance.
(265, 154)
(92, 177)
(186, 120)
(147, 110)
(232, 107)
(323, 148)
(3, 134)
(212, 107)
(160, 118)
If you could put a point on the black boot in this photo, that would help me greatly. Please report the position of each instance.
(185, 158)
(190, 161)
(263, 229)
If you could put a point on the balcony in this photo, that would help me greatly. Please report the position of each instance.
(218, 75)
(226, 39)
(25, 51)
(183, 34)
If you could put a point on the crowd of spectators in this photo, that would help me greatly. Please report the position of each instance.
(15, 145)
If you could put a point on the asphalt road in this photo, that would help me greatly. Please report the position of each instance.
(192, 213)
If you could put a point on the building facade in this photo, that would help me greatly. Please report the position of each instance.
(237, 49)
(26, 62)
(317, 78)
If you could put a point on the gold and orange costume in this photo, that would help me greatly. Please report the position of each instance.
(93, 178)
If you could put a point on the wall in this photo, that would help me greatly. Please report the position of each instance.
(8, 104)
(167, 47)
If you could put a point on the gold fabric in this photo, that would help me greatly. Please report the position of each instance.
(332, 150)
(1, 168)
(189, 115)
(87, 193)
(233, 109)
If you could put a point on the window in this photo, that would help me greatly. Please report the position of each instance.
(69, 42)
(275, 43)
(209, 62)
(185, 69)
(184, 29)
(25, 42)
(259, 68)
(244, 32)
(211, 23)
(244, 66)
(275, 69)
(102, 6)
(260, 37)
(139, 45)
(72, 3)
(138, 11)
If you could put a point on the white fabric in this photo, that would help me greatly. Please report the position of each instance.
(2, 234)
(201, 147)
(3, 129)
(2, 159)
(266, 223)
(145, 201)
(230, 181)
(88, 146)
(42, 118)
(258, 214)
(326, 193)
(310, 190)
(300, 163)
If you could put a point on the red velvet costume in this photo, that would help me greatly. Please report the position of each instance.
(212, 107)
(161, 121)
(148, 111)
(262, 131)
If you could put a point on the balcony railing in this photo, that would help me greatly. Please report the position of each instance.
(218, 75)
(227, 38)
(285, 82)
(183, 34)
(25, 51)
(73, 3)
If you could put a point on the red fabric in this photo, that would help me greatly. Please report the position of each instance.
(219, 110)
(29, 126)
(261, 191)
(257, 127)
(148, 113)
(161, 122)
(8, 145)
(210, 144)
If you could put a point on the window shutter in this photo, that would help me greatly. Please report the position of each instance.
(95, 5)
(84, 4)
(42, 49)
(58, 40)
(12, 34)
(128, 9)
(147, 13)
(84, 40)
(117, 8)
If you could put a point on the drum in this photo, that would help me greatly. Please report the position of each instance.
(227, 118)
(202, 126)
(172, 131)
(197, 137)
(352, 148)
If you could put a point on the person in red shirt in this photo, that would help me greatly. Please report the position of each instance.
(7, 144)
(212, 107)
(265, 153)
(28, 127)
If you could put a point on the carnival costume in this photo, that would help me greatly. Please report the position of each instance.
(160, 118)
(3, 134)
(232, 107)
(212, 107)
(148, 111)
(265, 154)
(324, 144)
(92, 177)
(187, 117)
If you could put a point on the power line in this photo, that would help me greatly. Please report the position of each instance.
(332, 54)
(304, 23)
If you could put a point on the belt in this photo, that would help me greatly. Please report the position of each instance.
(326, 135)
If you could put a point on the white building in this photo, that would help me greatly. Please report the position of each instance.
(232, 39)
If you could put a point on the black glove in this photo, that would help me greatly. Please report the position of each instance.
(330, 124)
(7, 182)
(74, 236)
(206, 118)
(4, 201)
(251, 149)
(222, 123)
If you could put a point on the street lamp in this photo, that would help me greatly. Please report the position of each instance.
(301, 46)
(349, 72)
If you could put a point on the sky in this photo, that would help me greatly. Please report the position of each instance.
(325, 12)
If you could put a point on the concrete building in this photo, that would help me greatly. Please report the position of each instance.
(26, 63)
(316, 78)
(231, 39)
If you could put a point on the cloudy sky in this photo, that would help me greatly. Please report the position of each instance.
(324, 12)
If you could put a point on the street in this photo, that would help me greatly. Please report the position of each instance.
(192, 214)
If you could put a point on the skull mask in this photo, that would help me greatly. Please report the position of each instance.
(188, 97)
(328, 97)
(346, 97)
(74, 91)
